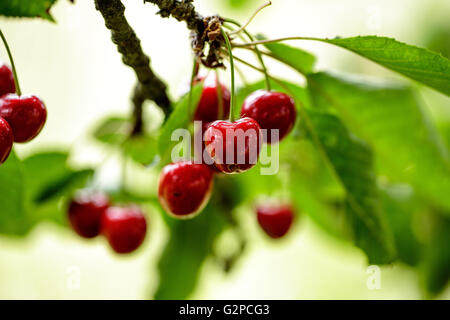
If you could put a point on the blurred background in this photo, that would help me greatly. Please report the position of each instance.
(75, 68)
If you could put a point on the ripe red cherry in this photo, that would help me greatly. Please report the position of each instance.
(208, 108)
(85, 213)
(124, 227)
(6, 140)
(275, 220)
(199, 148)
(272, 110)
(185, 188)
(7, 84)
(234, 146)
(25, 114)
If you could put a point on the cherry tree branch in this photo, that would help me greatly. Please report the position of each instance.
(182, 10)
(149, 86)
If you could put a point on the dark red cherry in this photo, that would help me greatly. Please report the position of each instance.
(234, 146)
(185, 188)
(208, 108)
(7, 84)
(201, 156)
(25, 114)
(85, 213)
(275, 220)
(124, 227)
(6, 140)
(272, 110)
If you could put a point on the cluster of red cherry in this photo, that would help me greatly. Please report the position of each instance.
(185, 187)
(91, 214)
(22, 117)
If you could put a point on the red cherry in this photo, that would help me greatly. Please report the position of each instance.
(85, 213)
(272, 110)
(199, 145)
(208, 108)
(7, 84)
(25, 114)
(275, 220)
(185, 188)
(124, 227)
(234, 146)
(6, 140)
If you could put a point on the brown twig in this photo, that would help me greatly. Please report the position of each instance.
(149, 85)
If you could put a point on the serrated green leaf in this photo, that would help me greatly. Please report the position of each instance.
(178, 119)
(392, 121)
(190, 243)
(422, 65)
(13, 213)
(27, 8)
(300, 60)
(352, 162)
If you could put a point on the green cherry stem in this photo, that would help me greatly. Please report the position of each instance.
(242, 28)
(219, 95)
(257, 51)
(253, 43)
(11, 60)
(191, 85)
(230, 53)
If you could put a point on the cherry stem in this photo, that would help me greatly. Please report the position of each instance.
(11, 60)
(251, 18)
(219, 96)
(191, 85)
(257, 51)
(253, 43)
(230, 53)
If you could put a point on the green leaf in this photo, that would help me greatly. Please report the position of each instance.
(435, 270)
(49, 179)
(401, 208)
(422, 65)
(113, 130)
(27, 8)
(190, 243)
(178, 119)
(391, 120)
(12, 194)
(352, 163)
(296, 58)
(141, 148)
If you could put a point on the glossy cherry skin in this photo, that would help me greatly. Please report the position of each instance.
(200, 149)
(25, 114)
(124, 227)
(6, 140)
(272, 110)
(275, 220)
(7, 84)
(85, 213)
(208, 108)
(185, 188)
(234, 146)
